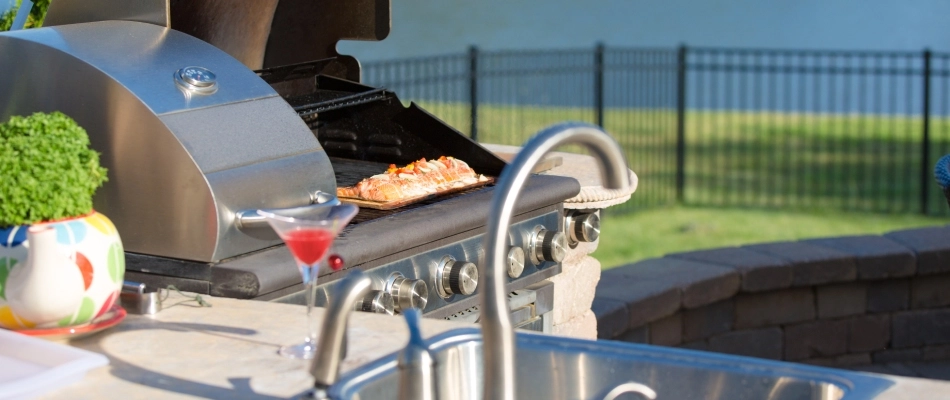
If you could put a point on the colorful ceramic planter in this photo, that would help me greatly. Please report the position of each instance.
(61, 273)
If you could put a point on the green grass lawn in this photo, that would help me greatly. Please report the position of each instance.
(751, 169)
(655, 232)
(750, 159)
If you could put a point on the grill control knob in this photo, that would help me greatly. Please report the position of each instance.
(376, 301)
(548, 246)
(515, 261)
(457, 277)
(408, 293)
(585, 227)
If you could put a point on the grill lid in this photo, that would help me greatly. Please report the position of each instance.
(259, 33)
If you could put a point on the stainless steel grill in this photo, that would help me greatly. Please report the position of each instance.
(201, 121)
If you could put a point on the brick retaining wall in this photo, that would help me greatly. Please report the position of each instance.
(834, 301)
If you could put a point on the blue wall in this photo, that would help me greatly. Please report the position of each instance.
(424, 27)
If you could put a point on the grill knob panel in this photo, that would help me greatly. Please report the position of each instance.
(585, 227)
(409, 293)
(377, 301)
(548, 246)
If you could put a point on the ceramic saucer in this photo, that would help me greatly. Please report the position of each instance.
(105, 321)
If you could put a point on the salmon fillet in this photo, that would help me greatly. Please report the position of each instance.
(416, 179)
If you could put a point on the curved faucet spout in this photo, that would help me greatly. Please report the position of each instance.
(497, 331)
(331, 346)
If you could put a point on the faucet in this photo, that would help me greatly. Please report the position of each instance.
(325, 368)
(416, 365)
(498, 349)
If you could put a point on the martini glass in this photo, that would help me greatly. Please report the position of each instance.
(308, 233)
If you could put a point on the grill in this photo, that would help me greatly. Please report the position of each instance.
(197, 134)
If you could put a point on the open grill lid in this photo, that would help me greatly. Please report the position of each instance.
(259, 33)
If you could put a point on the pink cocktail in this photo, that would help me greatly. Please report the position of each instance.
(308, 233)
(308, 245)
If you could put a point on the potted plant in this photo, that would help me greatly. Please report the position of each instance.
(61, 262)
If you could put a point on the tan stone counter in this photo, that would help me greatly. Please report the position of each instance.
(581, 167)
(228, 351)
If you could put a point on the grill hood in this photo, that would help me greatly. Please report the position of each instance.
(259, 33)
(183, 165)
(180, 165)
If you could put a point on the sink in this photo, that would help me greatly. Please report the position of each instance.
(550, 367)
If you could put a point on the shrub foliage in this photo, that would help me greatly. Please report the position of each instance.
(34, 20)
(47, 170)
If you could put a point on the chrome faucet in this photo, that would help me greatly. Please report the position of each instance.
(498, 334)
(325, 368)
(416, 365)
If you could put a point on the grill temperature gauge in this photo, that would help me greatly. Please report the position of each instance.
(196, 80)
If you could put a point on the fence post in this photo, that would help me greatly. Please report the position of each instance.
(925, 166)
(680, 123)
(473, 90)
(599, 83)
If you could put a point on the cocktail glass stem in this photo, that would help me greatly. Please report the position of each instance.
(307, 349)
(311, 286)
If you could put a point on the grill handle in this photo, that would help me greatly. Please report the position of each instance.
(251, 220)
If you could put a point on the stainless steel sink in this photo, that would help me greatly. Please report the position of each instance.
(562, 368)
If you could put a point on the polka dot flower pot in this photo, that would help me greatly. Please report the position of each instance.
(61, 273)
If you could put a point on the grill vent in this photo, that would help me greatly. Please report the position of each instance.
(384, 140)
(340, 142)
(340, 135)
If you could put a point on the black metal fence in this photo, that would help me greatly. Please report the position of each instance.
(848, 130)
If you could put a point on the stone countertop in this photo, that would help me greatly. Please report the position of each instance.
(230, 351)
(227, 351)
(581, 167)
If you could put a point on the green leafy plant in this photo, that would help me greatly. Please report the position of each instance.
(34, 20)
(47, 170)
(6, 19)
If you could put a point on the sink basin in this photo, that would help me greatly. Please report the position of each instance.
(551, 367)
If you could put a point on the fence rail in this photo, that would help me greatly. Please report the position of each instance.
(854, 130)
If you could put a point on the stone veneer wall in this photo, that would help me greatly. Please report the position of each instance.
(835, 301)
(574, 293)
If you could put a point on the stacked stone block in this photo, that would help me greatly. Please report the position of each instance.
(840, 301)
